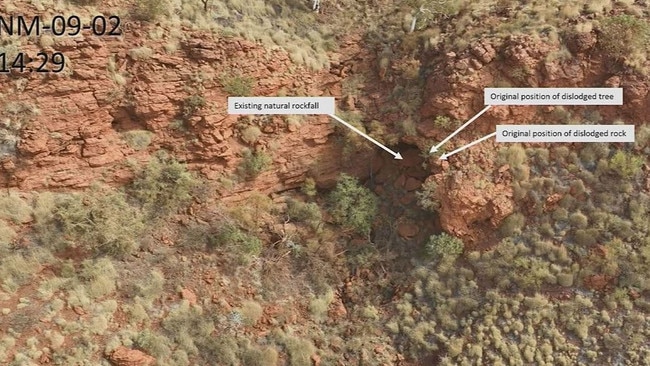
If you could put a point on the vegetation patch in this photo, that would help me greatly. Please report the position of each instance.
(7, 234)
(353, 205)
(636, 32)
(14, 208)
(13, 118)
(566, 284)
(230, 236)
(138, 139)
(150, 10)
(254, 163)
(427, 196)
(625, 164)
(237, 85)
(250, 134)
(191, 105)
(141, 53)
(443, 245)
(309, 213)
(163, 185)
(101, 220)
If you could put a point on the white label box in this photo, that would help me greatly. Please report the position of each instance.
(565, 133)
(281, 105)
(553, 96)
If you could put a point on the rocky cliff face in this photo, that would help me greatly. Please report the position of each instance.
(77, 136)
(474, 203)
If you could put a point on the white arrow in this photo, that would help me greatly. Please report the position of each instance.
(446, 155)
(437, 147)
(397, 156)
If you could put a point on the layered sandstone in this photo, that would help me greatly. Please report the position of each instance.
(77, 137)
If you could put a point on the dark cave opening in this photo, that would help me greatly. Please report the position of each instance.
(125, 119)
(402, 224)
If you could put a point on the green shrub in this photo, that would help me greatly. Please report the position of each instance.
(565, 279)
(237, 85)
(219, 350)
(443, 245)
(100, 219)
(191, 105)
(512, 224)
(352, 205)
(444, 122)
(150, 10)
(192, 329)
(163, 185)
(249, 213)
(642, 137)
(251, 311)
(514, 155)
(16, 269)
(178, 125)
(635, 31)
(579, 220)
(369, 313)
(309, 187)
(586, 237)
(427, 196)
(250, 134)
(99, 276)
(626, 165)
(352, 141)
(266, 356)
(304, 212)
(300, 351)
(154, 344)
(253, 163)
(319, 306)
(151, 286)
(229, 236)
(180, 358)
(409, 127)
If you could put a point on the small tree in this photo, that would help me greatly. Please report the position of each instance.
(443, 245)
(352, 205)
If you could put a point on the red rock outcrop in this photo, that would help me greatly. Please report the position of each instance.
(189, 295)
(123, 356)
(77, 137)
(472, 205)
